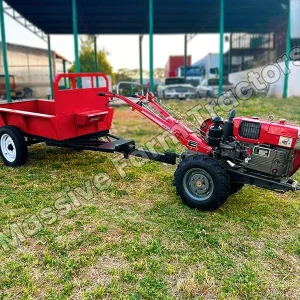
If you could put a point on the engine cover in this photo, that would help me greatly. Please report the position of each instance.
(276, 162)
(256, 131)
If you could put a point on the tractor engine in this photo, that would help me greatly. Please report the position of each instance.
(257, 146)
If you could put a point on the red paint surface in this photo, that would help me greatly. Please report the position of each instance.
(175, 62)
(74, 112)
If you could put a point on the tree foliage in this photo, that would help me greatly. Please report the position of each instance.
(87, 59)
(128, 74)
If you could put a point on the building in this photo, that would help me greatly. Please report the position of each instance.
(30, 68)
(251, 51)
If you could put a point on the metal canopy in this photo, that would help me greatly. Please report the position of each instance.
(131, 16)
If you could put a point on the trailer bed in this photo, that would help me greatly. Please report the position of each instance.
(72, 113)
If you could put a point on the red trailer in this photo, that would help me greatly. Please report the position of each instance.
(76, 118)
(174, 62)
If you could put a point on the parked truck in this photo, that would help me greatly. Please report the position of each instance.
(174, 62)
(209, 65)
(192, 75)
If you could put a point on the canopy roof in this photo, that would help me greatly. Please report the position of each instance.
(131, 16)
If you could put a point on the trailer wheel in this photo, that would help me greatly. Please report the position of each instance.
(235, 187)
(201, 182)
(13, 148)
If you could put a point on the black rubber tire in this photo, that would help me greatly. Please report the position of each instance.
(208, 95)
(219, 176)
(19, 143)
(235, 187)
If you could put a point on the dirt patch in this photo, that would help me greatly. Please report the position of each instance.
(98, 274)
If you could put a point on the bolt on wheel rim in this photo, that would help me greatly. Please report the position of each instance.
(8, 148)
(198, 184)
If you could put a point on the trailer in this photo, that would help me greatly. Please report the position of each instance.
(173, 63)
(76, 118)
(220, 157)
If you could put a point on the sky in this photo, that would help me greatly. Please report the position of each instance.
(123, 49)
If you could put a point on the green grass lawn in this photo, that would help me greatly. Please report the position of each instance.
(132, 238)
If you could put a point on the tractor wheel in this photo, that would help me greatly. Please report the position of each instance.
(201, 182)
(13, 148)
(235, 187)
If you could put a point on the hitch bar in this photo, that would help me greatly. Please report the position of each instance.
(114, 144)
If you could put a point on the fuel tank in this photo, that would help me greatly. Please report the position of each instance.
(256, 131)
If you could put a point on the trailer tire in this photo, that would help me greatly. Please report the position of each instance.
(13, 147)
(201, 182)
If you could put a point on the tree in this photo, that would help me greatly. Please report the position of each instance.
(87, 60)
(159, 73)
(122, 75)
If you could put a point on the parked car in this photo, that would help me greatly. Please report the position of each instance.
(209, 87)
(176, 88)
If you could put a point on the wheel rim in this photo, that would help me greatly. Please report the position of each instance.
(198, 184)
(8, 148)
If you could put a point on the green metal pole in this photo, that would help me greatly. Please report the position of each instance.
(65, 71)
(75, 32)
(141, 59)
(151, 44)
(96, 59)
(4, 54)
(221, 66)
(230, 54)
(185, 54)
(50, 65)
(287, 51)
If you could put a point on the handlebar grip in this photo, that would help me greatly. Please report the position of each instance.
(101, 94)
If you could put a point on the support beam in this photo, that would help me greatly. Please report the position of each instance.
(230, 55)
(287, 51)
(191, 36)
(96, 69)
(50, 65)
(151, 45)
(8, 10)
(221, 66)
(141, 58)
(4, 53)
(185, 54)
(75, 33)
(65, 71)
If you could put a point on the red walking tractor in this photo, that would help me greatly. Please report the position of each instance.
(219, 159)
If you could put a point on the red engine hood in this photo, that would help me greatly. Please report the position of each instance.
(278, 134)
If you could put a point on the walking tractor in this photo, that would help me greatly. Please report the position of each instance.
(220, 157)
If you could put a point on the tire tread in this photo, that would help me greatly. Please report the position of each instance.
(210, 165)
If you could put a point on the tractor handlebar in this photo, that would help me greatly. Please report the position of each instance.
(149, 96)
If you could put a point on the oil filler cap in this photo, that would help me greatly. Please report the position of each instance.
(282, 121)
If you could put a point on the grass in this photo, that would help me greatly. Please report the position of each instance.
(135, 239)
